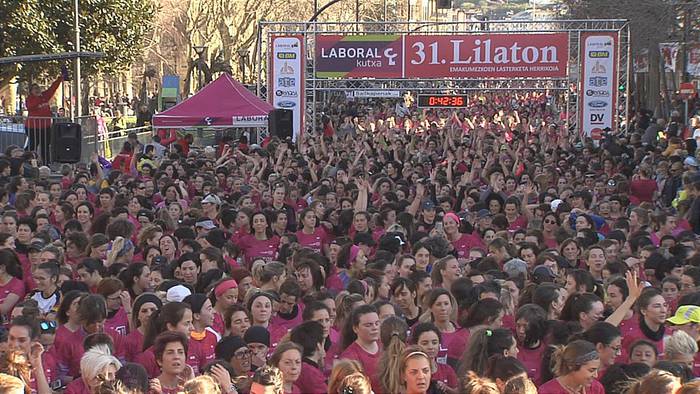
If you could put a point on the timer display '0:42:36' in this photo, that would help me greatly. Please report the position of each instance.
(442, 101)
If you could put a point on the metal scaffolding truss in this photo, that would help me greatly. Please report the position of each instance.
(567, 88)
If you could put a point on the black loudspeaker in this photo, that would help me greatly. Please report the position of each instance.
(66, 142)
(279, 123)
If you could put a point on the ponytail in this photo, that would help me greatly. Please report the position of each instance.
(482, 345)
(171, 313)
(393, 334)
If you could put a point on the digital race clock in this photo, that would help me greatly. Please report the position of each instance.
(442, 101)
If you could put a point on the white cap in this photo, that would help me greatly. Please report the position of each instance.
(555, 204)
(177, 293)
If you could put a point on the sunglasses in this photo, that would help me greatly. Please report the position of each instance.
(47, 325)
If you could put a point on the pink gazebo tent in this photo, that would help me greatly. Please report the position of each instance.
(223, 103)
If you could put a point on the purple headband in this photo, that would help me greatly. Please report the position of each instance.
(452, 216)
(354, 251)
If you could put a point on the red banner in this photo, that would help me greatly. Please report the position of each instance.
(536, 55)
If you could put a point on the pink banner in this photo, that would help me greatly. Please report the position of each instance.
(537, 55)
(487, 56)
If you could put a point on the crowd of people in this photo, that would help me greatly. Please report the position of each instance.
(398, 250)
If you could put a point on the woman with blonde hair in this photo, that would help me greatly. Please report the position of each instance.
(203, 384)
(341, 370)
(656, 382)
(122, 251)
(680, 348)
(475, 384)
(393, 334)
(356, 383)
(413, 374)
(575, 367)
(96, 366)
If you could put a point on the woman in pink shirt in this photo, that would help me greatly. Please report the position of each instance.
(224, 296)
(483, 344)
(576, 369)
(319, 312)
(143, 308)
(309, 335)
(310, 235)
(69, 324)
(261, 244)
(461, 242)
(607, 341)
(443, 312)
(361, 339)
(11, 285)
(118, 304)
(287, 357)
(427, 336)
(652, 309)
(202, 340)
(550, 226)
(173, 316)
(530, 330)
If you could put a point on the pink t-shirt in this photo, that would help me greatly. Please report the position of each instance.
(14, 286)
(288, 324)
(455, 343)
(368, 361)
(219, 324)
(133, 345)
(314, 241)
(77, 387)
(119, 322)
(518, 223)
(50, 371)
(254, 248)
(311, 379)
(445, 374)
(465, 243)
(201, 352)
(634, 333)
(554, 387)
(532, 360)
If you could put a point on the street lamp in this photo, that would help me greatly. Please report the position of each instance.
(201, 51)
(243, 55)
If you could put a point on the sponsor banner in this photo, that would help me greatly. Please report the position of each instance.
(286, 78)
(487, 56)
(693, 63)
(641, 61)
(598, 82)
(378, 56)
(375, 94)
(669, 53)
(537, 55)
(250, 121)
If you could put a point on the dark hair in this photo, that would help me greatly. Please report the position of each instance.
(133, 377)
(483, 311)
(10, 261)
(537, 326)
(421, 328)
(601, 332)
(308, 335)
(483, 344)
(583, 278)
(312, 307)
(619, 377)
(92, 309)
(66, 301)
(31, 324)
(171, 313)
(503, 368)
(545, 294)
(578, 303)
(164, 338)
(349, 335)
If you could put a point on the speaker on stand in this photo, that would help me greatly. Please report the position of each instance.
(279, 123)
(66, 142)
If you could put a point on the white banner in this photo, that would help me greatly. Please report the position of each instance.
(599, 77)
(693, 63)
(669, 53)
(250, 121)
(287, 78)
(376, 94)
